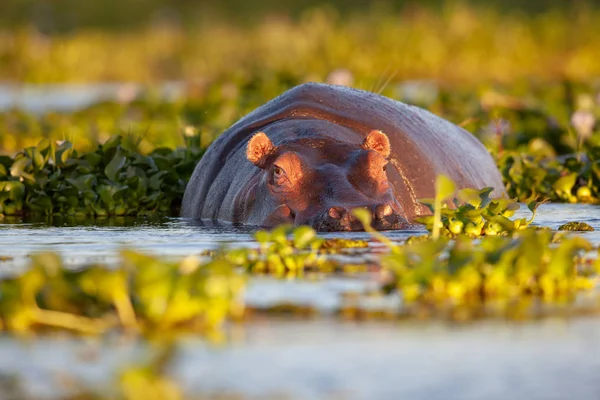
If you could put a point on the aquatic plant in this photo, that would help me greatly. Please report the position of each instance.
(572, 178)
(442, 272)
(146, 295)
(141, 295)
(473, 212)
(288, 252)
(115, 179)
(576, 226)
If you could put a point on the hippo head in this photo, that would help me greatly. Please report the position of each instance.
(318, 182)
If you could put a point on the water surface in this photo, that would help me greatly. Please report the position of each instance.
(316, 358)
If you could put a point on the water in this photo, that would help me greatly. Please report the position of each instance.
(72, 97)
(322, 357)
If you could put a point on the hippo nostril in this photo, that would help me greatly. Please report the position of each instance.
(336, 212)
(383, 210)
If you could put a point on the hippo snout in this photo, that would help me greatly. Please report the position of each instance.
(339, 218)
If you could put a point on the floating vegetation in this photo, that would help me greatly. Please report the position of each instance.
(462, 271)
(570, 179)
(576, 226)
(142, 295)
(474, 212)
(444, 274)
(288, 251)
(146, 295)
(338, 244)
(115, 179)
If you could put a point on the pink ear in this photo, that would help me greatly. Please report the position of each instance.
(377, 141)
(259, 147)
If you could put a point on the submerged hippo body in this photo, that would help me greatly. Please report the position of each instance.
(317, 151)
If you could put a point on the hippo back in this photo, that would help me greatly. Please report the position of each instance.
(423, 145)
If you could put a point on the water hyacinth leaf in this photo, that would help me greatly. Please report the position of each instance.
(118, 161)
(303, 236)
(470, 196)
(37, 158)
(498, 206)
(505, 223)
(120, 192)
(156, 180)
(66, 154)
(473, 214)
(83, 182)
(106, 193)
(262, 237)
(44, 146)
(112, 143)
(16, 190)
(94, 159)
(145, 161)
(564, 185)
(484, 194)
(19, 167)
(162, 163)
(510, 209)
(533, 206)
(41, 203)
(279, 234)
(60, 149)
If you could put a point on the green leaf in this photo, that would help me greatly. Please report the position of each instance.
(565, 184)
(470, 196)
(303, 235)
(41, 203)
(18, 168)
(118, 161)
(112, 143)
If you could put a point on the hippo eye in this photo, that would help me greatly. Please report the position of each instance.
(277, 172)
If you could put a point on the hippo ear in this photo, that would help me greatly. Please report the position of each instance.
(378, 141)
(259, 147)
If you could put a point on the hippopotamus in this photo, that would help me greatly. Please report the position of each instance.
(318, 151)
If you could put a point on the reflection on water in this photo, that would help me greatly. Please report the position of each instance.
(319, 358)
(70, 97)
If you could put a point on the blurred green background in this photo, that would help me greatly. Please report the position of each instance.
(52, 16)
(156, 40)
(514, 70)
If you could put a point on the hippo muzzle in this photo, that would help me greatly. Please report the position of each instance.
(337, 218)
